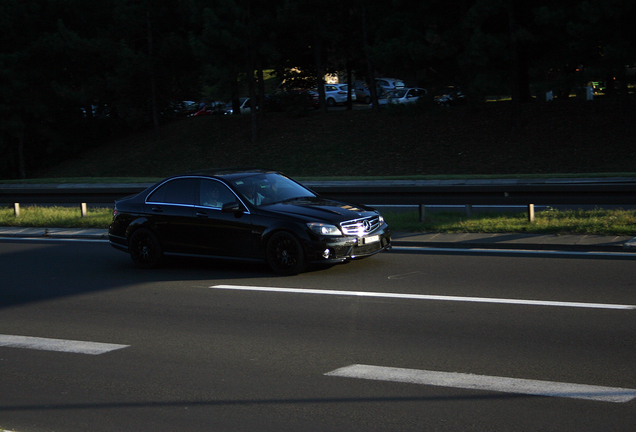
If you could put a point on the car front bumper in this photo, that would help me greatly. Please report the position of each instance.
(339, 249)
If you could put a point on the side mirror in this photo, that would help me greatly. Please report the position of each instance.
(231, 207)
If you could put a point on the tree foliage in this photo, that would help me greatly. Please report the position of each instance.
(75, 72)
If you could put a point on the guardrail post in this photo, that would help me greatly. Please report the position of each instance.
(530, 212)
(84, 209)
(469, 210)
(16, 209)
(422, 212)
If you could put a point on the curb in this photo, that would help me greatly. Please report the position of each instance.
(517, 246)
(93, 233)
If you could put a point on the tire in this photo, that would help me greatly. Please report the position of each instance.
(331, 102)
(145, 249)
(285, 254)
(367, 100)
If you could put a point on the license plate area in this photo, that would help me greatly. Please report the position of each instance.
(368, 240)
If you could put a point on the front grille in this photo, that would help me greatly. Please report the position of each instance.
(360, 227)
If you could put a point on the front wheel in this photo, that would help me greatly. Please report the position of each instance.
(145, 249)
(285, 254)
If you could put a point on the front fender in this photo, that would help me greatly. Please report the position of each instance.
(296, 228)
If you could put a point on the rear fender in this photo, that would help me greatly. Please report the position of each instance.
(137, 223)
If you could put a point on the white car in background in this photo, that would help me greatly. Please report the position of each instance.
(402, 96)
(336, 94)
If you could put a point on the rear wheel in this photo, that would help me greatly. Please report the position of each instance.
(145, 249)
(331, 102)
(285, 254)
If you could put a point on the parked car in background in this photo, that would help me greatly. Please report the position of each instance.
(244, 106)
(386, 84)
(185, 108)
(210, 108)
(363, 94)
(450, 96)
(246, 214)
(402, 96)
(336, 94)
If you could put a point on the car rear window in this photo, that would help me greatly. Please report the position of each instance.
(177, 191)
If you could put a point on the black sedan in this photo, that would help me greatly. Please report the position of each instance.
(249, 214)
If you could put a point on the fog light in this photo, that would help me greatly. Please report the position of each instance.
(326, 253)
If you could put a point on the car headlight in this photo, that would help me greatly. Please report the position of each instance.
(380, 220)
(324, 229)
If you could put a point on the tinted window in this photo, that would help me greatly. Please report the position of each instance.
(213, 193)
(178, 191)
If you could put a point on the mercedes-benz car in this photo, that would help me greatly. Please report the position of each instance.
(248, 214)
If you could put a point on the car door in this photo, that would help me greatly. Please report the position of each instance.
(170, 212)
(222, 233)
(416, 94)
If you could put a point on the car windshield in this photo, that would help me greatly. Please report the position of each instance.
(264, 189)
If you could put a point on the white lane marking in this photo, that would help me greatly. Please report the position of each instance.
(488, 383)
(513, 251)
(425, 297)
(62, 345)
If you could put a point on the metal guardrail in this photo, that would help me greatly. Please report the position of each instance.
(66, 194)
(476, 192)
(615, 191)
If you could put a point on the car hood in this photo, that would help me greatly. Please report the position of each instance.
(321, 209)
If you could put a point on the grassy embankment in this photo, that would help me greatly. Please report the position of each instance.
(573, 139)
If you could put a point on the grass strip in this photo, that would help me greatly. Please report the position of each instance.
(549, 221)
(55, 217)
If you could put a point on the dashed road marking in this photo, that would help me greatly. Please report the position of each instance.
(61, 345)
(486, 383)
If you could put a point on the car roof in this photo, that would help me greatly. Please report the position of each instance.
(226, 173)
(390, 79)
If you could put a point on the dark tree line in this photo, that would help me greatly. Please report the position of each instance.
(76, 71)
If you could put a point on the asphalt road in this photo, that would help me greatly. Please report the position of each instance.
(366, 346)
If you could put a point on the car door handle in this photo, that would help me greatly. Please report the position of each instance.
(157, 209)
(202, 214)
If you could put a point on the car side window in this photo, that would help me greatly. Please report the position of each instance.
(177, 191)
(214, 194)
